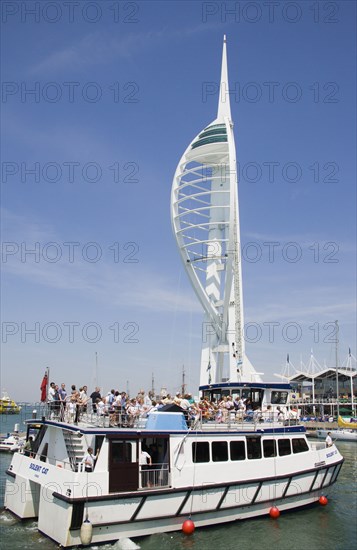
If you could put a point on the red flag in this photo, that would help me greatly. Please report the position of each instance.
(43, 388)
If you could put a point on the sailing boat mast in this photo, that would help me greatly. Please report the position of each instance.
(336, 351)
(96, 370)
(183, 385)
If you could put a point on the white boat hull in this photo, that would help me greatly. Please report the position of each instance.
(147, 512)
(112, 532)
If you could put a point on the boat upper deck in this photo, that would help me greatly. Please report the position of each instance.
(169, 422)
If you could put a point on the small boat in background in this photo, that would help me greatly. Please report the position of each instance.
(8, 406)
(12, 443)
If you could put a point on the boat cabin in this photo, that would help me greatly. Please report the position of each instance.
(258, 394)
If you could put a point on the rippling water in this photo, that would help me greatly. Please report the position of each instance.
(331, 527)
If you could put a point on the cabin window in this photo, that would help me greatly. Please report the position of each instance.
(38, 436)
(246, 393)
(219, 451)
(237, 449)
(44, 453)
(269, 448)
(284, 447)
(299, 445)
(254, 449)
(256, 397)
(200, 451)
(279, 397)
(121, 451)
(216, 397)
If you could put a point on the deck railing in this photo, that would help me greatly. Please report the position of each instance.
(156, 475)
(240, 422)
(233, 420)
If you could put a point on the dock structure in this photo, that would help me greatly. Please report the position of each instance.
(324, 390)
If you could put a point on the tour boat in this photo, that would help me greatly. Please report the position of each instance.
(8, 406)
(210, 472)
(206, 469)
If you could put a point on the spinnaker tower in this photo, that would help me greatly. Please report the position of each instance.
(205, 222)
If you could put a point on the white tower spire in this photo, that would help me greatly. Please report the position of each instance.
(224, 107)
(205, 221)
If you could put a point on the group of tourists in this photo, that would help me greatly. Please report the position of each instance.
(117, 405)
(67, 406)
(238, 408)
(124, 410)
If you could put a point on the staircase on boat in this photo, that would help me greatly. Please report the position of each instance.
(75, 448)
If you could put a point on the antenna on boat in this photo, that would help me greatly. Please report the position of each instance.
(152, 384)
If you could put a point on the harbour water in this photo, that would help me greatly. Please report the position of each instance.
(331, 527)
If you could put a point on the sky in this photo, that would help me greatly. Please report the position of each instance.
(99, 100)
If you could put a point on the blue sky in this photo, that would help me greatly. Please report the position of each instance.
(120, 89)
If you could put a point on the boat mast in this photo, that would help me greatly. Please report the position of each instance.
(337, 391)
(183, 385)
(96, 370)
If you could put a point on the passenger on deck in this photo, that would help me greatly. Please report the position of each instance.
(229, 404)
(280, 414)
(51, 398)
(94, 396)
(84, 398)
(257, 413)
(132, 412)
(101, 407)
(63, 399)
(223, 407)
(70, 410)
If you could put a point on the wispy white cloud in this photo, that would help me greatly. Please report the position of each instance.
(98, 48)
(138, 288)
(93, 49)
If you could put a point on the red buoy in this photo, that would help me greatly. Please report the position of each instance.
(323, 500)
(274, 512)
(188, 527)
